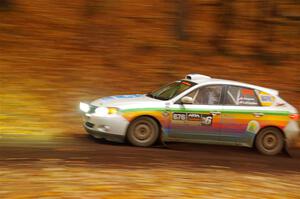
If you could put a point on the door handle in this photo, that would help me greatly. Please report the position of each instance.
(215, 113)
(258, 114)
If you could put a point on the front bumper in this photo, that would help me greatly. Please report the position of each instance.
(107, 136)
(111, 127)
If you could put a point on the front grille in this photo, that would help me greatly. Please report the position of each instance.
(92, 109)
(88, 124)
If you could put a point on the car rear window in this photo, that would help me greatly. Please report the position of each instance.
(265, 98)
(241, 96)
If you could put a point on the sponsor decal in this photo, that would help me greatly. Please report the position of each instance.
(203, 119)
(127, 96)
(105, 99)
(194, 117)
(179, 116)
(266, 99)
(247, 101)
(253, 126)
(247, 97)
(248, 92)
(207, 119)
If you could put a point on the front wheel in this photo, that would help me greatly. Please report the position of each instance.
(143, 131)
(269, 141)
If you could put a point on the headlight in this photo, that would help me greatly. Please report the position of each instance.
(84, 107)
(101, 111)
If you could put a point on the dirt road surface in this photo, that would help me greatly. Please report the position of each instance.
(77, 166)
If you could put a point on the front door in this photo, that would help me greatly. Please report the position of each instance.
(199, 121)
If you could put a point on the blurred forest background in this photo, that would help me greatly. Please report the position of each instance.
(55, 53)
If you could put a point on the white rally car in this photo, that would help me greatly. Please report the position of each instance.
(197, 109)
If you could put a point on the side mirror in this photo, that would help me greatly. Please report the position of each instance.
(187, 100)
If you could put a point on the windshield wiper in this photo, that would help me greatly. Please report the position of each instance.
(155, 97)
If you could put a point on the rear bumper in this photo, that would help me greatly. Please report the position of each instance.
(106, 136)
(292, 133)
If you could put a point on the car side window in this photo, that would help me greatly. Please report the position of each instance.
(240, 96)
(208, 95)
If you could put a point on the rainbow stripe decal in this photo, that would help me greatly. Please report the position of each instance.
(241, 124)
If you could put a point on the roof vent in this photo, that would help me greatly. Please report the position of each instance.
(196, 77)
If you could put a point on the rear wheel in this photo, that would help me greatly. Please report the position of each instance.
(269, 141)
(143, 131)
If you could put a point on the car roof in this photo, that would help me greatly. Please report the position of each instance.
(209, 80)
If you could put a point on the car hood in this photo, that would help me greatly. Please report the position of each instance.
(125, 100)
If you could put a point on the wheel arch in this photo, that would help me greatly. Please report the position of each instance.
(146, 115)
(265, 127)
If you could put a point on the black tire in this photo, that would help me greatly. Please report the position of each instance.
(269, 141)
(143, 132)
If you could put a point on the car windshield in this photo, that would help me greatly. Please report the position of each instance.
(171, 90)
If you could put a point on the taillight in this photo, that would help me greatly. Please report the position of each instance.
(294, 116)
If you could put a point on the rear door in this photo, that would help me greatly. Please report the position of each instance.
(241, 116)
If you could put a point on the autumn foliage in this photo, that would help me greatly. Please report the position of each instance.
(65, 51)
